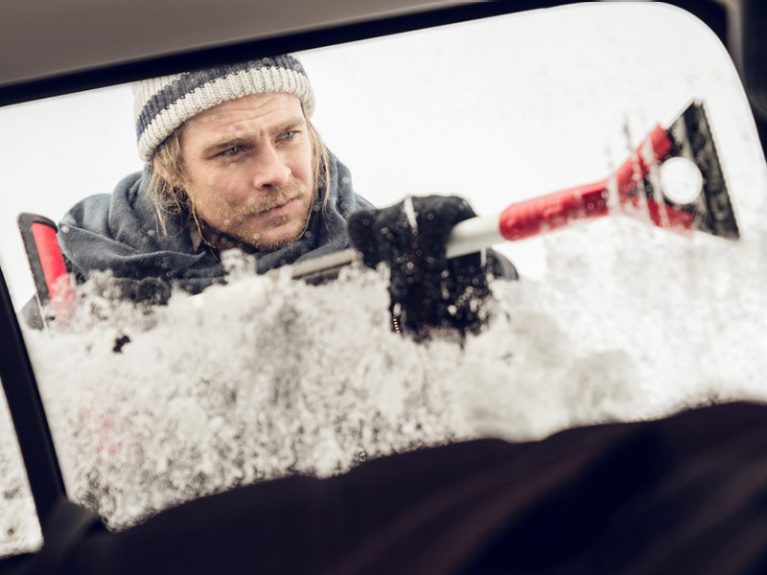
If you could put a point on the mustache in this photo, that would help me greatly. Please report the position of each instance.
(274, 199)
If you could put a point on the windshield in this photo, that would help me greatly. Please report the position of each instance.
(612, 319)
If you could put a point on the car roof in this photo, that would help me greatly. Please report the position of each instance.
(48, 38)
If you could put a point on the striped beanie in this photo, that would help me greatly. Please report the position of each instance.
(163, 104)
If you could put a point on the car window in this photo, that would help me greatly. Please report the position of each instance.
(612, 319)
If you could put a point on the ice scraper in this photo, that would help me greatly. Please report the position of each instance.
(633, 189)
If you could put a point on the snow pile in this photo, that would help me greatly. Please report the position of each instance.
(267, 377)
(630, 322)
(258, 379)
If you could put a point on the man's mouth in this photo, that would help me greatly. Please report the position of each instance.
(268, 209)
(279, 206)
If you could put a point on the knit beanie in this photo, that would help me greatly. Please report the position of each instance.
(162, 104)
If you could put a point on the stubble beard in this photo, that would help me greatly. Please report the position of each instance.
(258, 206)
(261, 204)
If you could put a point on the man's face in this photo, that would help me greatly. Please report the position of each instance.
(249, 169)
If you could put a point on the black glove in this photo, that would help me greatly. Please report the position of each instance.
(427, 290)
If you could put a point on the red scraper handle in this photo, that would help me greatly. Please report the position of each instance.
(623, 191)
(552, 211)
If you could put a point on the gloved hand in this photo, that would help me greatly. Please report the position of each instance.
(426, 289)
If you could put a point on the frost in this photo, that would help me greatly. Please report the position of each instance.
(19, 529)
(237, 263)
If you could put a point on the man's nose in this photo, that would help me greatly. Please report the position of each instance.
(270, 169)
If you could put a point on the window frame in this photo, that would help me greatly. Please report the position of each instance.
(18, 377)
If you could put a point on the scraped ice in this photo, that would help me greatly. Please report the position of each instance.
(267, 377)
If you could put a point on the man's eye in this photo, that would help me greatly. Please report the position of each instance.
(287, 135)
(232, 151)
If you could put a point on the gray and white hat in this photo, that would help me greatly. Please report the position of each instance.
(162, 104)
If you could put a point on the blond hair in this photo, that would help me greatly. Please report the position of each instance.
(170, 198)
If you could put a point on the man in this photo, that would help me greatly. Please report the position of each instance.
(233, 161)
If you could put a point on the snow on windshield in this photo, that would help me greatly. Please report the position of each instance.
(266, 376)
